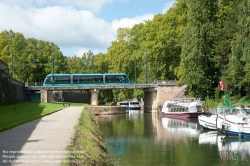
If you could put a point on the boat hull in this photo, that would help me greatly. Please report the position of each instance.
(233, 126)
(183, 114)
(208, 122)
(235, 133)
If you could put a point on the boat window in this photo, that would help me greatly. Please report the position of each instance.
(199, 109)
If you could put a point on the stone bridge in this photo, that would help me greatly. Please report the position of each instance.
(154, 94)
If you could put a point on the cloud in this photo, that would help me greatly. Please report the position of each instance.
(91, 5)
(65, 26)
(130, 22)
(74, 30)
(167, 6)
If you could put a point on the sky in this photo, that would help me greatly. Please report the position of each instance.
(77, 26)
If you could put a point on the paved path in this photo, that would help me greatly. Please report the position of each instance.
(40, 142)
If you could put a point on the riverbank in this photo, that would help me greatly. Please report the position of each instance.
(87, 147)
(234, 100)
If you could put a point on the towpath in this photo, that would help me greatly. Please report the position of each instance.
(40, 142)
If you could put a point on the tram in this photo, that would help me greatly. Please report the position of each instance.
(86, 79)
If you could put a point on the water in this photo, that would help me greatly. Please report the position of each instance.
(148, 139)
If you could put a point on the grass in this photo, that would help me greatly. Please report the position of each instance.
(14, 115)
(87, 147)
(235, 100)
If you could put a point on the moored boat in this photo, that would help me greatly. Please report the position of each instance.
(209, 121)
(130, 104)
(183, 107)
(232, 125)
(237, 124)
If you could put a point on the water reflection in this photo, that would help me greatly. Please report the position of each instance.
(138, 138)
(229, 148)
(184, 127)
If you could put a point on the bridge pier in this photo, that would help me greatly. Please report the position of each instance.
(46, 96)
(93, 96)
(150, 103)
(154, 97)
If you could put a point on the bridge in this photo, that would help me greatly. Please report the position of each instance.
(154, 94)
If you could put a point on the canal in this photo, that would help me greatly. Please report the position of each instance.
(147, 139)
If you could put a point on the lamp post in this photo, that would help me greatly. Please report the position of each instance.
(12, 65)
(20, 64)
(146, 67)
(135, 68)
(52, 68)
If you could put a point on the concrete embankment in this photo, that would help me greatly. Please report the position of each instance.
(106, 110)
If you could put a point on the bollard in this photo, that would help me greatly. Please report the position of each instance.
(69, 104)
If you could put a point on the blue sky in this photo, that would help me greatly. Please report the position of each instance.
(77, 26)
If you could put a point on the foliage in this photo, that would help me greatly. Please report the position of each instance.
(30, 59)
(196, 65)
(239, 67)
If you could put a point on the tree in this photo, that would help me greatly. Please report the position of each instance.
(100, 64)
(239, 67)
(88, 61)
(196, 65)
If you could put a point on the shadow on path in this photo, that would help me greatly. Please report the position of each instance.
(39, 141)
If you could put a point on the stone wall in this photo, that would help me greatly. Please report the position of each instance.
(70, 96)
(106, 110)
(165, 93)
(11, 91)
(3, 69)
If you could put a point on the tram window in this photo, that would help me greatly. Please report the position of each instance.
(87, 79)
(61, 79)
(48, 80)
(124, 78)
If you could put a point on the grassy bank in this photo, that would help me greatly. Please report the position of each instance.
(14, 115)
(234, 100)
(87, 147)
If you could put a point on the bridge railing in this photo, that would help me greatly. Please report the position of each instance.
(27, 84)
(167, 82)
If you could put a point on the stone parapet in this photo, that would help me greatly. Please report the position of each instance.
(106, 110)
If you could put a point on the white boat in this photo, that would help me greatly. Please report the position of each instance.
(130, 104)
(209, 121)
(232, 125)
(183, 107)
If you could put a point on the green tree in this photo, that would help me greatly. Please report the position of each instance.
(239, 67)
(31, 58)
(88, 61)
(196, 65)
(7, 51)
(100, 64)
